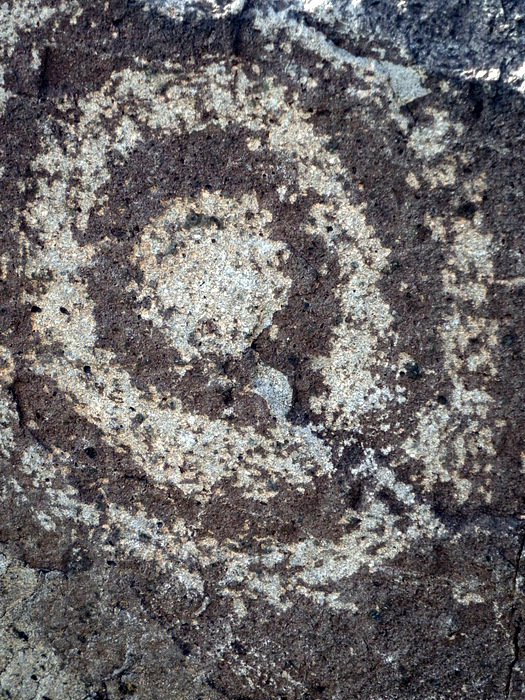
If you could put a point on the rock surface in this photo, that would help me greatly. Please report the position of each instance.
(261, 350)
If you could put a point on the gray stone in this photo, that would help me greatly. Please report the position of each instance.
(261, 350)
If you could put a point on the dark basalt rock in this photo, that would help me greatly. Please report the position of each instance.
(261, 358)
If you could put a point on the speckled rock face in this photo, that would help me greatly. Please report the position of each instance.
(261, 350)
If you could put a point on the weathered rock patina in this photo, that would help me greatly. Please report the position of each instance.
(261, 350)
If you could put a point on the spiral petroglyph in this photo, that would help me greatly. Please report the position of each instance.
(261, 398)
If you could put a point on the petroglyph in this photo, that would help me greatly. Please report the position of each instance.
(261, 403)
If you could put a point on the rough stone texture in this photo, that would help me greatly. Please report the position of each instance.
(261, 366)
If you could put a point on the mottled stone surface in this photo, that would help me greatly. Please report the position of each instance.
(261, 350)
